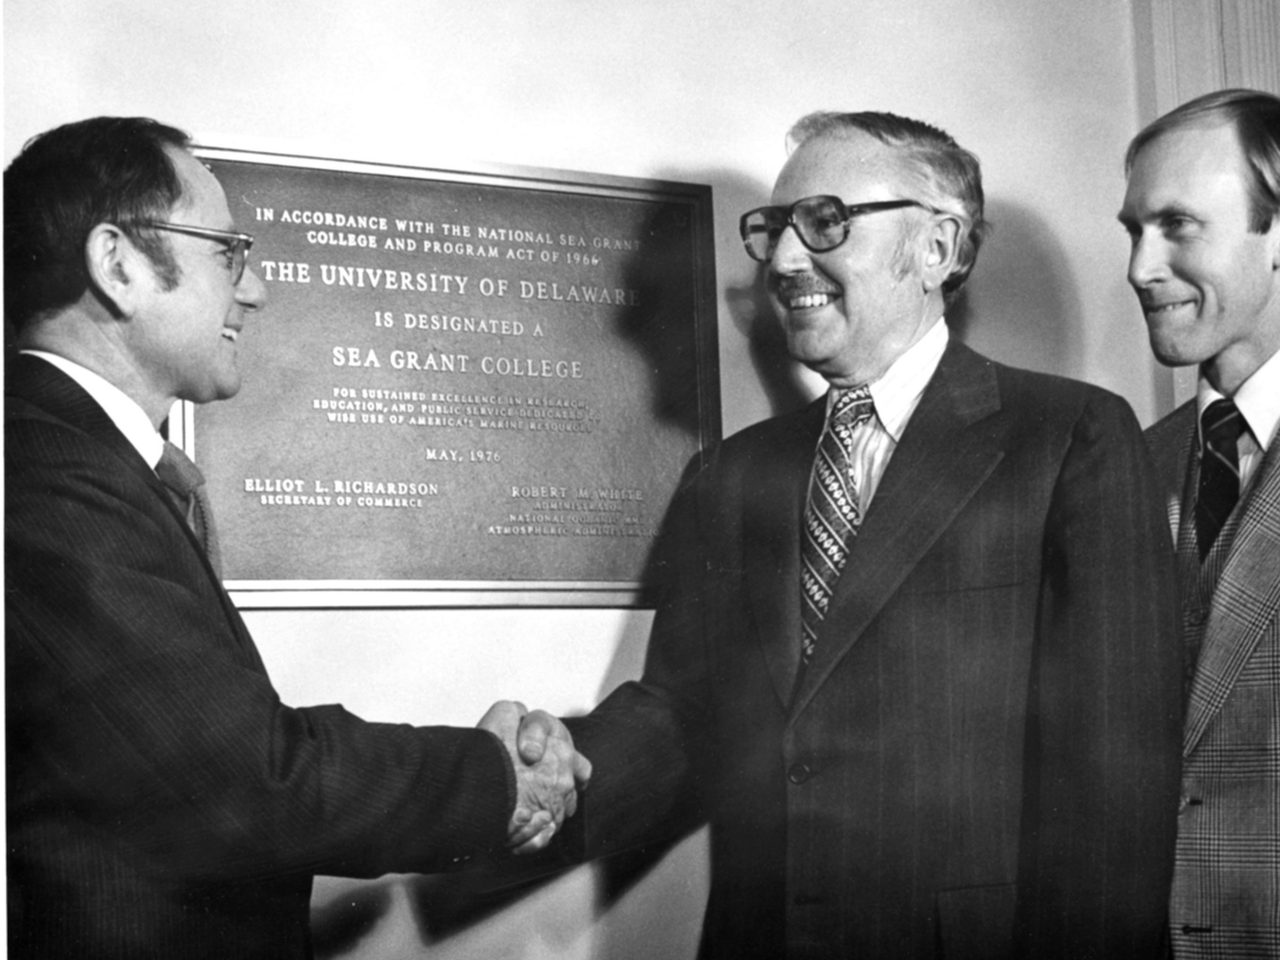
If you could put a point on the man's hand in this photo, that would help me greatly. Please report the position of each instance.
(549, 772)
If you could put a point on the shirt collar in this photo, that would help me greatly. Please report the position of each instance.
(129, 418)
(1257, 399)
(897, 393)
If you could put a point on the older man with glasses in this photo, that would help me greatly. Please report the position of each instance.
(914, 658)
(162, 802)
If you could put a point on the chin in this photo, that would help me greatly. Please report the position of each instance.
(1171, 353)
(825, 367)
(808, 347)
(226, 389)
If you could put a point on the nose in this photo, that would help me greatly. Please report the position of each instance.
(1147, 261)
(251, 292)
(789, 254)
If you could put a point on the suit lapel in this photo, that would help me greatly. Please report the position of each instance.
(1246, 597)
(1191, 574)
(773, 507)
(941, 462)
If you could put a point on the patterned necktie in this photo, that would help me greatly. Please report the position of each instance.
(831, 515)
(186, 486)
(1221, 426)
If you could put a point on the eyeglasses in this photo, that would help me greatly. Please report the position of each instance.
(822, 223)
(237, 244)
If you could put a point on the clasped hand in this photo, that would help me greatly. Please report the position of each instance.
(549, 772)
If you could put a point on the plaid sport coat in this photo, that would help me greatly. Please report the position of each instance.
(1225, 901)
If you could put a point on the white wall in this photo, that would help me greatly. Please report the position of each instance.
(697, 90)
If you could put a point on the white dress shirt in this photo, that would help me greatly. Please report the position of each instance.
(895, 395)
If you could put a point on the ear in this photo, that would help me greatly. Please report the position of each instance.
(942, 250)
(117, 269)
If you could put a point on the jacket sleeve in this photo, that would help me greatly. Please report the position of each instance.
(1103, 750)
(137, 705)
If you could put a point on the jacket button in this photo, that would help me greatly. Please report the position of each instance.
(799, 773)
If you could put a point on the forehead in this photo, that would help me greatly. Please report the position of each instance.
(203, 199)
(853, 166)
(1197, 166)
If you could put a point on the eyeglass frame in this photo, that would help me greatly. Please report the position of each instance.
(851, 211)
(239, 244)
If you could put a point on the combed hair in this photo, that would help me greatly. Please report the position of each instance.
(1255, 117)
(949, 174)
(69, 180)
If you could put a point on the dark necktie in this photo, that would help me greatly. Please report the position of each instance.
(1220, 428)
(831, 515)
(186, 486)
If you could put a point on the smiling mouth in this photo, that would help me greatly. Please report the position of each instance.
(230, 334)
(807, 301)
(1158, 309)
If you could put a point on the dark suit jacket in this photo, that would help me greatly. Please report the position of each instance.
(1226, 885)
(162, 801)
(982, 759)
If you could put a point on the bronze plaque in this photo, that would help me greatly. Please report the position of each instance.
(476, 387)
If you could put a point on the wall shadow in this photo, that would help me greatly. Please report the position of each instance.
(340, 921)
(673, 324)
(661, 325)
(753, 317)
(750, 315)
(1020, 306)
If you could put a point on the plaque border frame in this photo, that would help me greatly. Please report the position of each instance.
(319, 594)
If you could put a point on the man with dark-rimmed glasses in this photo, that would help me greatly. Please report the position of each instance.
(162, 801)
(912, 659)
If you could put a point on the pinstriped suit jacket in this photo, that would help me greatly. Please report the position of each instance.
(982, 758)
(1226, 890)
(162, 802)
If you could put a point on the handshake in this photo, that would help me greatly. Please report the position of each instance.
(549, 772)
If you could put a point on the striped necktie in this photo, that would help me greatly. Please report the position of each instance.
(831, 515)
(186, 487)
(1220, 428)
